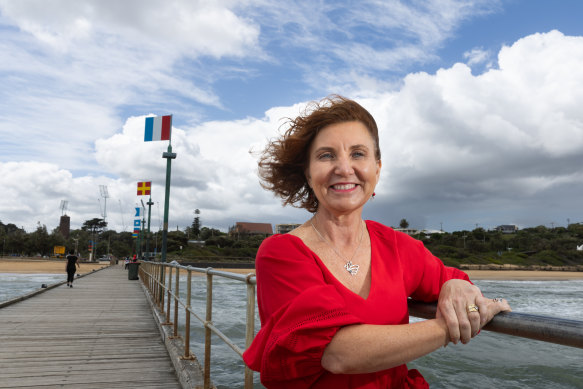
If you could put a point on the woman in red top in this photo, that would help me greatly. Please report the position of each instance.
(332, 293)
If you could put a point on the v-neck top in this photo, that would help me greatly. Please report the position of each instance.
(302, 305)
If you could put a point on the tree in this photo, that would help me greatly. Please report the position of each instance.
(404, 223)
(206, 233)
(94, 225)
(38, 241)
(195, 227)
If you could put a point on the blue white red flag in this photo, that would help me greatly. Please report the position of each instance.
(158, 128)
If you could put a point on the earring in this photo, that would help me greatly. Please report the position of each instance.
(373, 195)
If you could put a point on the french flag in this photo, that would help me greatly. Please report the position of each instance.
(158, 128)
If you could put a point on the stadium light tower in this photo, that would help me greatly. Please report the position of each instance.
(105, 195)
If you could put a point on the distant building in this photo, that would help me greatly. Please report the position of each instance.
(197, 242)
(507, 228)
(285, 228)
(65, 226)
(243, 228)
(431, 232)
(408, 231)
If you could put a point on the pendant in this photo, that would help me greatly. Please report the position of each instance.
(352, 269)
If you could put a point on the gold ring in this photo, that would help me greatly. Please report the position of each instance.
(473, 308)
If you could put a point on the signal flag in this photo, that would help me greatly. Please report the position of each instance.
(144, 188)
(158, 128)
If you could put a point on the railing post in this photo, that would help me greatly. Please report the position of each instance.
(207, 331)
(187, 318)
(158, 284)
(162, 287)
(151, 278)
(169, 291)
(177, 294)
(249, 328)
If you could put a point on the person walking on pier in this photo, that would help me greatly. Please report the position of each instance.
(72, 265)
(332, 293)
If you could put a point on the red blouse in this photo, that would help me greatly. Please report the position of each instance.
(302, 305)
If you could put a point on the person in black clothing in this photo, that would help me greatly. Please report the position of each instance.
(72, 266)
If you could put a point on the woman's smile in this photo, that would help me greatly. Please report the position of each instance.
(343, 187)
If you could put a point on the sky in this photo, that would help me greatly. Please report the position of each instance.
(478, 104)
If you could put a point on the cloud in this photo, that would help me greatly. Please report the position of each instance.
(189, 27)
(454, 140)
(478, 56)
(462, 148)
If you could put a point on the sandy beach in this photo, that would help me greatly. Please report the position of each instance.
(44, 266)
(50, 266)
(524, 275)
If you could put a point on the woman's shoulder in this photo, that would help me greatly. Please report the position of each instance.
(280, 243)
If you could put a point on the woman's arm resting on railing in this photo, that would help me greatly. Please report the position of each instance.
(548, 329)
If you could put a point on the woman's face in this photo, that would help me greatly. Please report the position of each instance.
(342, 170)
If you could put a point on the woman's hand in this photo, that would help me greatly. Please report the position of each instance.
(455, 306)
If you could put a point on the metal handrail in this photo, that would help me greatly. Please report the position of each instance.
(153, 276)
(548, 329)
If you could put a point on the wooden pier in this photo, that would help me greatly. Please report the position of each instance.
(98, 334)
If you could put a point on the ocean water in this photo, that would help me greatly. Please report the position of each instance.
(489, 361)
(14, 285)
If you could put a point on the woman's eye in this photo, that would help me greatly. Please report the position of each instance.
(358, 154)
(325, 156)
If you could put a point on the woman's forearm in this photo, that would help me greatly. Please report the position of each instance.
(365, 348)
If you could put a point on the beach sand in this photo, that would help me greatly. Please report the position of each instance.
(44, 266)
(50, 266)
(524, 275)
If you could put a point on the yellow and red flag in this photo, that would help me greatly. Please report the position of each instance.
(144, 188)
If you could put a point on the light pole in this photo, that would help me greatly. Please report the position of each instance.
(76, 244)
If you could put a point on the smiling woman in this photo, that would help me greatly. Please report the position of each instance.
(332, 293)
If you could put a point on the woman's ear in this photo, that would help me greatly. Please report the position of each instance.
(379, 166)
(308, 178)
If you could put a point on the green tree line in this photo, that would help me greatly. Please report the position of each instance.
(530, 246)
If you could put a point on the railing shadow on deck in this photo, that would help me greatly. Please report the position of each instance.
(153, 275)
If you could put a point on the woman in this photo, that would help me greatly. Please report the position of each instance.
(332, 293)
(72, 265)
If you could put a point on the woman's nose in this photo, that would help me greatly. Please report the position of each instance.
(343, 166)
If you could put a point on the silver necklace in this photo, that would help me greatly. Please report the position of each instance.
(349, 266)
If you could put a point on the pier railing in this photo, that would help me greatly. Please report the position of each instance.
(167, 297)
(548, 329)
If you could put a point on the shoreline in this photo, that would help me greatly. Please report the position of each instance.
(48, 266)
(45, 266)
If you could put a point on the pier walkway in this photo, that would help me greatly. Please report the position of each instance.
(98, 334)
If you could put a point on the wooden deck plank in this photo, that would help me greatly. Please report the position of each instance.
(98, 334)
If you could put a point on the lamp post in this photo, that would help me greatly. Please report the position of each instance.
(169, 155)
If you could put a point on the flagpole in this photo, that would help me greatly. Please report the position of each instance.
(169, 155)
(150, 203)
(143, 229)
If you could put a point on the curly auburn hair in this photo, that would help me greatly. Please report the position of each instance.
(283, 163)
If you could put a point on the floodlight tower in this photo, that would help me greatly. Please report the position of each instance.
(63, 206)
(65, 222)
(105, 195)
